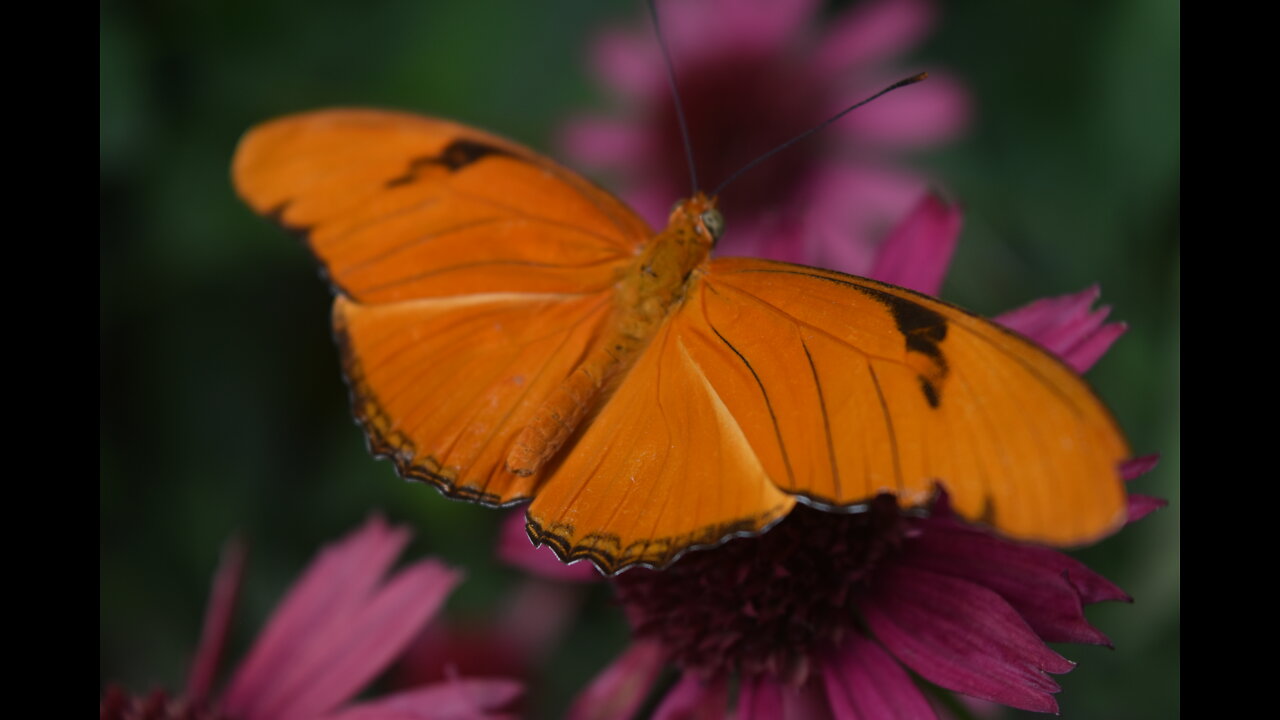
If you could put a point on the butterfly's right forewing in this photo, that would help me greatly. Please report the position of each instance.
(854, 388)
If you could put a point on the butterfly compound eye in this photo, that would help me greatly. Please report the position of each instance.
(713, 221)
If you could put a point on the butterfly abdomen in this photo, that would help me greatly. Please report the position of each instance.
(564, 410)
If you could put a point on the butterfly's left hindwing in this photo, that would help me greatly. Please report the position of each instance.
(442, 386)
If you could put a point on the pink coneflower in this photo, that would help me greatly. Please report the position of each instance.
(823, 616)
(516, 639)
(751, 75)
(340, 625)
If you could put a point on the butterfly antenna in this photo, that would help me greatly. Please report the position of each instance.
(900, 84)
(675, 94)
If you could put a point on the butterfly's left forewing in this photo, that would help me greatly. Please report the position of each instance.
(472, 275)
(397, 206)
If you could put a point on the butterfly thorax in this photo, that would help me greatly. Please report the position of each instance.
(647, 291)
(659, 277)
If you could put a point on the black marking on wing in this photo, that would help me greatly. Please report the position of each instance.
(764, 393)
(864, 285)
(455, 156)
(930, 392)
(922, 329)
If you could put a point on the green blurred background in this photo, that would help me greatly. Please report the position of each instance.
(222, 408)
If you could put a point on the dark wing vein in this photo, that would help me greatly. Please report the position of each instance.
(530, 382)
(786, 459)
(379, 219)
(412, 242)
(800, 270)
(888, 423)
(537, 218)
(826, 421)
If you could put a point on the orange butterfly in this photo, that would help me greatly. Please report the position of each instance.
(511, 332)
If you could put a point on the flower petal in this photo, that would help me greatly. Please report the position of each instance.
(514, 547)
(864, 682)
(456, 699)
(723, 27)
(932, 112)
(851, 209)
(1067, 326)
(217, 622)
(1141, 506)
(599, 142)
(628, 63)
(652, 201)
(962, 636)
(780, 235)
(762, 698)
(1139, 466)
(707, 30)
(618, 691)
(354, 629)
(1038, 582)
(918, 251)
(336, 583)
(694, 699)
(874, 31)
(343, 659)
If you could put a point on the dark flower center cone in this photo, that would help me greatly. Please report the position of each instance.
(768, 604)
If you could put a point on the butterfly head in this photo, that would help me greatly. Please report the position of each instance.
(699, 213)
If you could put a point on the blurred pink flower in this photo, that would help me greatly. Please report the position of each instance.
(339, 626)
(751, 75)
(515, 548)
(822, 616)
(515, 640)
(518, 638)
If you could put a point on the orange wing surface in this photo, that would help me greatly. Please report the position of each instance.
(848, 387)
(664, 467)
(509, 332)
(399, 207)
(776, 382)
(472, 276)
